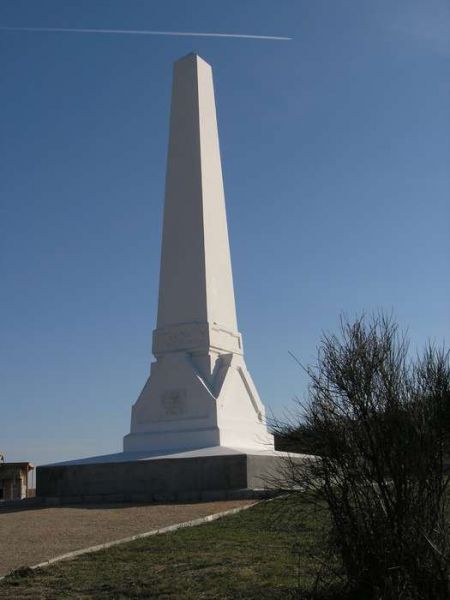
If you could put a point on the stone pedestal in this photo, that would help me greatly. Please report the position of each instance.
(206, 474)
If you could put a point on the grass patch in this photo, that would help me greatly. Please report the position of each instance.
(267, 551)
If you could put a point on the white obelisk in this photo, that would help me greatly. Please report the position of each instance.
(199, 393)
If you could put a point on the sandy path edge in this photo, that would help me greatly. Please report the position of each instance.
(29, 550)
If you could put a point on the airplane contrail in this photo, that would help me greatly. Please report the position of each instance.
(148, 32)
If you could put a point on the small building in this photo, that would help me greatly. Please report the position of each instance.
(14, 479)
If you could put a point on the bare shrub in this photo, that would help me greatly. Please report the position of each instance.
(379, 424)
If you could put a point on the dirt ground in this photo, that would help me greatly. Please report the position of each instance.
(30, 536)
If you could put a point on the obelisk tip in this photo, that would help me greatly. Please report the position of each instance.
(192, 56)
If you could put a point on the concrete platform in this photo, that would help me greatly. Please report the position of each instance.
(195, 475)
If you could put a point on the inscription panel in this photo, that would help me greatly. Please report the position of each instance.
(180, 337)
(195, 336)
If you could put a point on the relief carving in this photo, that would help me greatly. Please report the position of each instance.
(174, 403)
(180, 338)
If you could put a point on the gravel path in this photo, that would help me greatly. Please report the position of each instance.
(30, 536)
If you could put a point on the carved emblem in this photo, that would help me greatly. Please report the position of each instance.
(174, 403)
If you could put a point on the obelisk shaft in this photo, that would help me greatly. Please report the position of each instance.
(196, 284)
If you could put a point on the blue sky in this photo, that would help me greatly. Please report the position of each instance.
(335, 150)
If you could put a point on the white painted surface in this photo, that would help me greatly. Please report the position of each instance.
(199, 393)
(196, 283)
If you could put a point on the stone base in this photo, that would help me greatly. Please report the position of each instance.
(207, 474)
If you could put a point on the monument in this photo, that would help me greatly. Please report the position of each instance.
(199, 393)
(198, 427)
